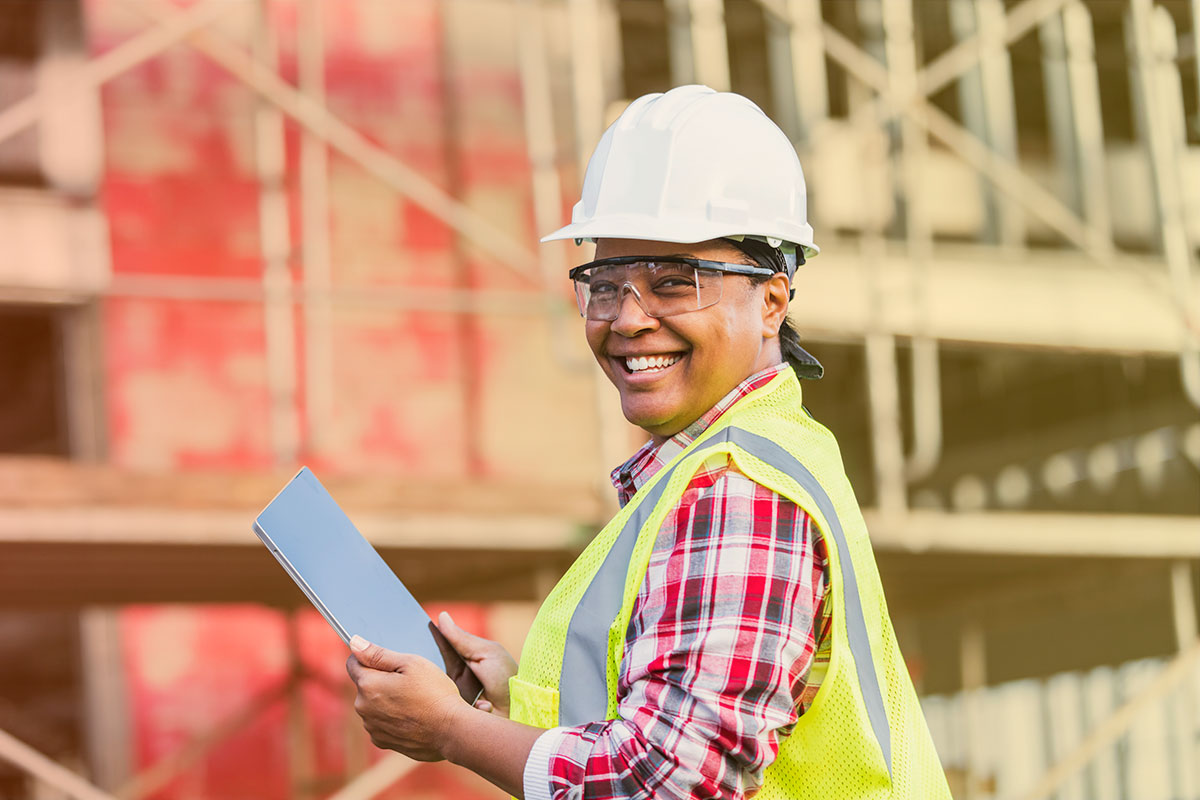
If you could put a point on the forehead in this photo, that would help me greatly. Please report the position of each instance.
(712, 250)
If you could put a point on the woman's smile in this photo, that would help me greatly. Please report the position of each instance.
(651, 363)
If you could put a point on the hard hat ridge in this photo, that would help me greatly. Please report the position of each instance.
(689, 165)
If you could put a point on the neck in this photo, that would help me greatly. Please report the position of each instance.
(658, 439)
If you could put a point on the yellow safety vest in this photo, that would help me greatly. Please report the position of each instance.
(864, 735)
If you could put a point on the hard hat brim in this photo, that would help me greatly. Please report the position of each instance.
(664, 230)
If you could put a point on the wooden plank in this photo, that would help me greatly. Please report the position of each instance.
(39, 575)
(1038, 533)
(56, 483)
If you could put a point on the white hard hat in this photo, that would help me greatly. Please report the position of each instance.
(690, 165)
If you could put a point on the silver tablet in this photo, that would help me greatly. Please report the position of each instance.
(344, 577)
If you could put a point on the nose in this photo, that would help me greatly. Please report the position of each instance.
(632, 318)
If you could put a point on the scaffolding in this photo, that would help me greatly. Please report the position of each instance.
(893, 271)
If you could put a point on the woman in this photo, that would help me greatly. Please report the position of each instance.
(725, 635)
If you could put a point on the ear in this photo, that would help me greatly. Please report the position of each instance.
(776, 294)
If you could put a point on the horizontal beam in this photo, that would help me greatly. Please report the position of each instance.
(991, 296)
(222, 528)
(52, 244)
(28, 482)
(1037, 534)
(1053, 299)
(1011, 533)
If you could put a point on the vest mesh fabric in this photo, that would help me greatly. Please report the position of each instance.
(833, 751)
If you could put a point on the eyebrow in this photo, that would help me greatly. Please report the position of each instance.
(746, 261)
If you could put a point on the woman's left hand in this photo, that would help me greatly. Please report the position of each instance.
(407, 703)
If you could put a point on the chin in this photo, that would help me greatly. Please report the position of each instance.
(656, 423)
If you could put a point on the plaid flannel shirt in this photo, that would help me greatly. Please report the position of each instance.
(721, 653)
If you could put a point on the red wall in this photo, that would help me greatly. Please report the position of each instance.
(416, 392)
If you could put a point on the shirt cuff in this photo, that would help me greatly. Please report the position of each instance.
(536, 778)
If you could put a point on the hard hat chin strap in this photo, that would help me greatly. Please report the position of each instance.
(790, 259)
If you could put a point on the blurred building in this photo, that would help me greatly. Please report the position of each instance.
(236, 237)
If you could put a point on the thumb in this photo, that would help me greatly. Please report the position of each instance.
(374, 656)
(468, 645)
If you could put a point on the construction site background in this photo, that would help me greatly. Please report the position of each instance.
(238, 236)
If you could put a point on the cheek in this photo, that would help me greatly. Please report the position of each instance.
(595, 333)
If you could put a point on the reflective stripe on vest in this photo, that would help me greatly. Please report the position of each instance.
(583, 685)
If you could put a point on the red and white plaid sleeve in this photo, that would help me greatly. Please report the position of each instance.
(718, 651)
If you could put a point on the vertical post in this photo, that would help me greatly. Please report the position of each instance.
(710, 45)
(587, 77)
(300, 745)
(869, 14)
(973, 658)
(886, 444)
(1073, 110)
(1060, 111)
(70, 152)
(1194, 7)
(70, 133)
(679, 42)
(988, 106)
(903, 60)
(796, 54)
(84, 381)
(274, 245)
(537, 103)
(467, 324)
(698, 45)
(541, 145)
(1084, 89)
(105, 701)
(1183, 605)
(314, 243)
(887, 447)
(1159, 100)
(589, 98)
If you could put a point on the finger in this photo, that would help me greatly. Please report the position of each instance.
(467, 644)
(484, 705)
(376, 657)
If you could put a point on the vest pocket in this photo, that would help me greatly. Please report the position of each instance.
(532, 704)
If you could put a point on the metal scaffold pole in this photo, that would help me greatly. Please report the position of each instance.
(904, 62)
(1159, 101)
(468, 330)
(588, 98)
(317, 119)
(279, 324)
(315, 255)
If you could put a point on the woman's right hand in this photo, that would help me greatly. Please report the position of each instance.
(490, 662)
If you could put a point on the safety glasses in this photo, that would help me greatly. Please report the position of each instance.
(663, 286)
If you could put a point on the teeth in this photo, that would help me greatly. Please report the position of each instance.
(643, 363)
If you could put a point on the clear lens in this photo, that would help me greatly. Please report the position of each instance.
(662, 289)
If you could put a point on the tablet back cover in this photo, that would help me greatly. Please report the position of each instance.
(340, 570)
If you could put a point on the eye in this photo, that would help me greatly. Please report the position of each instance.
(674, 285)
(602, 287)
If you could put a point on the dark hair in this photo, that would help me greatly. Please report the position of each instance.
(772, 258)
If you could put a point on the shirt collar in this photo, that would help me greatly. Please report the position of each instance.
(650, 458)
